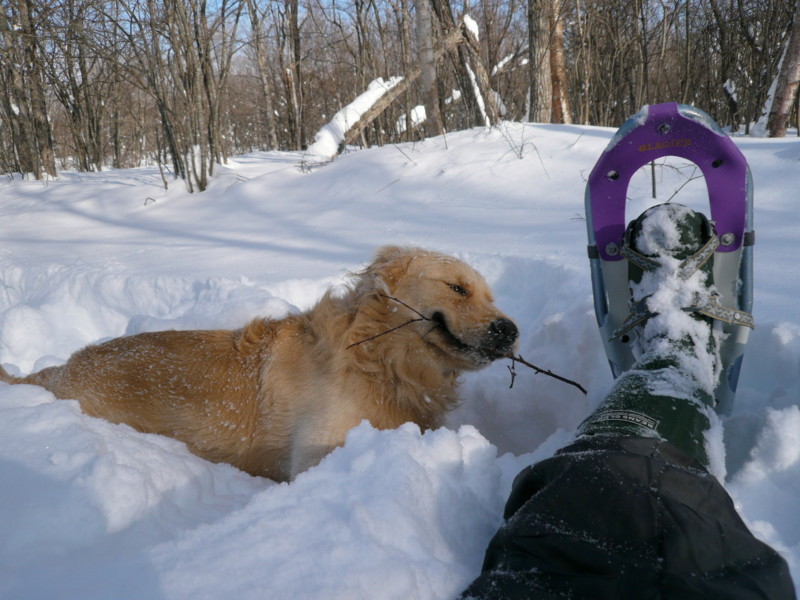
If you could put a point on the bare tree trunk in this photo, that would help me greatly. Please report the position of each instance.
(725, 66)
(640, 90)
(41, 123)
(458, 57)
(297, 77)
(427, 61)
(584, 23)
(79, 77)
(480, 79)
(406, 62)
(540, 91)
(24, 103)
(15, 114)
(685, 84)
(291, 73)
(562, 112)
(788, 77)
(263, 73)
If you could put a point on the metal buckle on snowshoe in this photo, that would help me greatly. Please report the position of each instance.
(712, 309)
(716, 311)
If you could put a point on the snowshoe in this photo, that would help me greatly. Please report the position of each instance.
(684, 131)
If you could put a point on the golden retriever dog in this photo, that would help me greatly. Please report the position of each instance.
(276, 396)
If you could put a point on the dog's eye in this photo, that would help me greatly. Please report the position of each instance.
(460, 290)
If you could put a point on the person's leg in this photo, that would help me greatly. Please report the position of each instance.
(625, 519)
(669, 393)
(629, 511)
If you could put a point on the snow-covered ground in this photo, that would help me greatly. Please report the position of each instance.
(91, 510)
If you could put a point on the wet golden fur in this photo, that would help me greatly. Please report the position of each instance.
(274, 397)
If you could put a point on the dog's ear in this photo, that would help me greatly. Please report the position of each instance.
(390, 264)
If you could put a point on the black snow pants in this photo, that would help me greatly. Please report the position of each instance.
(626, 519)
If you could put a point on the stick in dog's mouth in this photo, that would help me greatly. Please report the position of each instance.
(439, 322)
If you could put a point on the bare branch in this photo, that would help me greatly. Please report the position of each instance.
(409, 322)
(519, 359)
(514, 359)
(377, 335)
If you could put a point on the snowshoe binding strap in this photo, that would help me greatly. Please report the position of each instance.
(685, 270)
(710, 308)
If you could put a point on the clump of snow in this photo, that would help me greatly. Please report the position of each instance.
(730, 88)
(93, 510)
(659, 232)
(417, 115)
(633, 122)
(502, 64)
(714, 446)
(401, 494)
(472, 26)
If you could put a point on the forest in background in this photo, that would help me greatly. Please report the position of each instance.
(95, 84)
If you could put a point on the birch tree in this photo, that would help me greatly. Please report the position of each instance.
(787, 82)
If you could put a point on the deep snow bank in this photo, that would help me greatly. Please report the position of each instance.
(94, 510)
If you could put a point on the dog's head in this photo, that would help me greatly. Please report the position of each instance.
(454, 309)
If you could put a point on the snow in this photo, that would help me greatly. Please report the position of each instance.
(502, 64)
(94, 510)
(730, 87)
(472, 26)
(633, 121)
(417, 114)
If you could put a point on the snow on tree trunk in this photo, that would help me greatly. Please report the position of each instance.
(327, 140)
(478, 97)
(759, 128)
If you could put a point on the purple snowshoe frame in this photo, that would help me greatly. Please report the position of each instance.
(687, 132)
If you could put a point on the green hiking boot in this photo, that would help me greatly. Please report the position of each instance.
(669, 391)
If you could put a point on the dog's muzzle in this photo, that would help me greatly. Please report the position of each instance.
(497, 342)
(501, 337)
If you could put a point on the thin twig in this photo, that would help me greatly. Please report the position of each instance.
(519, 359)
(377, 335)
(409, 322)
(513, 373)
(414, 310)
(683, 185)
(514, 359)
(398, 148)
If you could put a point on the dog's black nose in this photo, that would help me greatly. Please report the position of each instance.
(503, 333)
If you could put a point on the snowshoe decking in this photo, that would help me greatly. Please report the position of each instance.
(684, 131)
